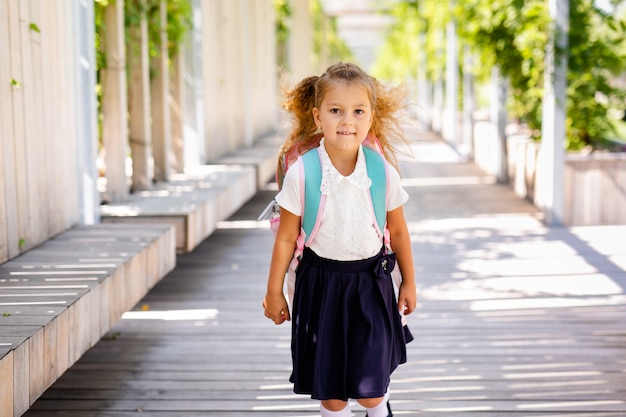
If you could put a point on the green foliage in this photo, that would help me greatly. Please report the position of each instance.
(179, 22)
(398, 58)
(326, 38)
(597, 54)
(513, 35)
(34, 27)
(419, 25)
(282, 9)
(282, 12)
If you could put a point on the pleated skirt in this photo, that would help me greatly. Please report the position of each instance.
(347, 333)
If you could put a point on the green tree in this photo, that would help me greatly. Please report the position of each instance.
(513, 34)
(597, 55)
(326, 36)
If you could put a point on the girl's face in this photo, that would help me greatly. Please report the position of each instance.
(345, 116)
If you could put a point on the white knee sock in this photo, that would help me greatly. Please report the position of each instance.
(381, 409)
(346, 412)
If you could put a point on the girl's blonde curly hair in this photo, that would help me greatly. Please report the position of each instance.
(386, 101)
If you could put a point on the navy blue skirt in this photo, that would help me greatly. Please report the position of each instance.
(347, 333)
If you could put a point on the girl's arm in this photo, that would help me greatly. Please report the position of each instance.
(274, 303)
(401, 246)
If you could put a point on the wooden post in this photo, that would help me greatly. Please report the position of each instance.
(177, 110)
(114, 103)
(550, 165)
(160, 86)
(139, 107)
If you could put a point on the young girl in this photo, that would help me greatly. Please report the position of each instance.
(347, 331)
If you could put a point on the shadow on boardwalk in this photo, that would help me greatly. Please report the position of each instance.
(515, 319)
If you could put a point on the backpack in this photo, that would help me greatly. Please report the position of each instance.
(312, 201)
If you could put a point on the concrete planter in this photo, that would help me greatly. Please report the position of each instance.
(594, 184)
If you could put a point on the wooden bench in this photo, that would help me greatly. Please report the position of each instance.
(59, 299)
(262, 156)
(195, 201)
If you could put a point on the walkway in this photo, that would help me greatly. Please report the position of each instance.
(514, 319)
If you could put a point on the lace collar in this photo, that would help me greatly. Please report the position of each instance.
(331, 178)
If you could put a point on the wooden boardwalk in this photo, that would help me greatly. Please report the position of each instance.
(514, 319)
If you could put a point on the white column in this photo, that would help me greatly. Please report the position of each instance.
(87, 129)
(438, 91)
(194, 147)
(248, 64)
(300, 41)
(469, 104)
(424, 87)
(551, 157)
(498, 123)
(450, 129)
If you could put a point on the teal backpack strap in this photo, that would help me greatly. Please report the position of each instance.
(377, 171)
(312, 193)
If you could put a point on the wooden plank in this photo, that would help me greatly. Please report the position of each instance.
(36, 366)
(61, 140)
(21, 379)
(50, 372)
(68, 138)
(19, 173)
(50, 108)
(34, 136)
(8, 246)
(6, 388)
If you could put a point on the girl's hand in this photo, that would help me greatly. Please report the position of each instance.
(276, 308)
(407, 298)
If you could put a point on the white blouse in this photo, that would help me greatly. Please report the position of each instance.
(347, 231)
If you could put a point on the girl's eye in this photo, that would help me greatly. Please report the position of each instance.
(359, 111)
(335, 111)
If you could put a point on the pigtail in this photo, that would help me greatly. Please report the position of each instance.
(387, 125)
(304, 135)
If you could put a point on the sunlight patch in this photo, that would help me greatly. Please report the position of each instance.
(172, 315)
